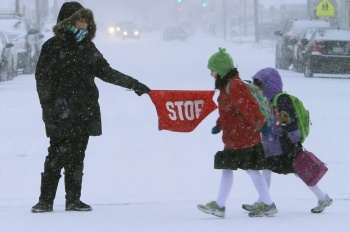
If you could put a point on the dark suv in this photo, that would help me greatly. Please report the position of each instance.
(24, 34)
(288, 37)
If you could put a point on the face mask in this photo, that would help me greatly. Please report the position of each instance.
(79, 34)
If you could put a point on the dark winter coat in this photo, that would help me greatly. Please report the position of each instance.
(65, 78)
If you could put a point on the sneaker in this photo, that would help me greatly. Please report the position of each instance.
(212, 208)
(322, 205)
(78, 206)
(263, 210)
(42, 207)
(250, 207)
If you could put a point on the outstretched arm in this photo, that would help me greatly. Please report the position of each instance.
(110, 75)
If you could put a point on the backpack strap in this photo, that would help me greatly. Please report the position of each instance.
(229, 83)
(228, 91)
(228, 87)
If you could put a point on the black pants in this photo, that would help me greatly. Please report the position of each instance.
(67, 153)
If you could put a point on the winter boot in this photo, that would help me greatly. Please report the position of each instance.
(47, 193)
(73, 181)
(78, 206)
(42, 207)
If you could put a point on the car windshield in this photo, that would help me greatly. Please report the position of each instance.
(309, 32)
(13, 27)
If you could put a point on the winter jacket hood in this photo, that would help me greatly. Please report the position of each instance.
(71, 12)
(271, 81)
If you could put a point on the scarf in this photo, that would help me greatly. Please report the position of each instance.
(79, 34)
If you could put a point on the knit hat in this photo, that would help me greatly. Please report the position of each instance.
(67, 9)
(221, 62)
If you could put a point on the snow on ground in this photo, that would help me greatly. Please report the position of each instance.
(140, 179)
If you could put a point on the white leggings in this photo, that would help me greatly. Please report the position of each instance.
(258, 181)
(315, 189)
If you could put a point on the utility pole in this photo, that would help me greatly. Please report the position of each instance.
(17, 7)
(54, 10)
(245, 18)
(224, 20)
(42, 11)
(256, 17)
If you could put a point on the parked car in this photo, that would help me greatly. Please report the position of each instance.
(8, 58)
(328, 52)
(288, 37)
(25, 35)
(175, 33)
(299, 50)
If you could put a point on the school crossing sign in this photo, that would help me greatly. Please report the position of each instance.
(325, 8)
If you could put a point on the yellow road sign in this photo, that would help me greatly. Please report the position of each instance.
(325, 8)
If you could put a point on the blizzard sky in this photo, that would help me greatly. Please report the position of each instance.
(277, 3)
(31, 3)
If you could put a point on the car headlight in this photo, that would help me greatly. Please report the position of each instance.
(125, 33)
(111, 30)
(136, 33)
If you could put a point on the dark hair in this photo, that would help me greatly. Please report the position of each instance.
(221, 82)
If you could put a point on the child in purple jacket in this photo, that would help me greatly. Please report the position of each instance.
(282, 142)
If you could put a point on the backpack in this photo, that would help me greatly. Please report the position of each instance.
(302, 114)
(265, 107)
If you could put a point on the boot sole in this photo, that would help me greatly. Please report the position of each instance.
(41, 211)
(79, 210)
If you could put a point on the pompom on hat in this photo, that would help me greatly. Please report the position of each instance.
(221, 62)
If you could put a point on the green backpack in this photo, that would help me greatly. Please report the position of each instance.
(265, 107)
(302, 114)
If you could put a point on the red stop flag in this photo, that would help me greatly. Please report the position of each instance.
(182, 110)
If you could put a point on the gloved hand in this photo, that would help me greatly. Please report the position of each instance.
(140, 88)
(215, 130)
(265, 131)
(61, 108)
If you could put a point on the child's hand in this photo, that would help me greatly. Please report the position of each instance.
(215, 130)
(284, 118)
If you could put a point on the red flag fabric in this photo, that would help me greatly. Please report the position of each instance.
(182, 110)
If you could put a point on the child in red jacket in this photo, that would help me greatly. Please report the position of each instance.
(240, 122)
